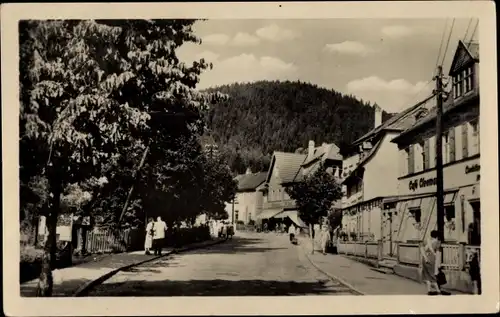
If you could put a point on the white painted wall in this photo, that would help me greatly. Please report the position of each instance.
(381, 172)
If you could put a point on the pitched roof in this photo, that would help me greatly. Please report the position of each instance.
(250, 181)
(398, 122)
(322, 153)
(364, 160)
(288, 164)
(464, 55)
(448, 106)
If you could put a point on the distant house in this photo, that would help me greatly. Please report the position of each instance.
(370, 172)
(288, 168)
(247, 204)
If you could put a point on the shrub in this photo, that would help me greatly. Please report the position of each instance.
(30, 254)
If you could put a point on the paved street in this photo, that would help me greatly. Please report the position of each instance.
(250, 264)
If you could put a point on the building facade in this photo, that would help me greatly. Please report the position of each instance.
(370, 174)
(249, 199)
(414, 213)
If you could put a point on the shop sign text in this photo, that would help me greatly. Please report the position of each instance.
(422, 183)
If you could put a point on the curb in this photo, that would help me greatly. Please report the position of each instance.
(82, 290)
(331, 275)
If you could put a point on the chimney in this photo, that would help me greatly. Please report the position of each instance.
(249, 171)
(310, 150)
(378, 115)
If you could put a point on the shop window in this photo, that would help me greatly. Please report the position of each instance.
(449, 212)
(416, 214)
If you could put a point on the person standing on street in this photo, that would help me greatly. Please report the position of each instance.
(148, 242)
(431, 256)
(325, 239)
(291, 232)
(159, 235)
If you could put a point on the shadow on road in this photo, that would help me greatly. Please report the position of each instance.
(213, 288)
(237, 245)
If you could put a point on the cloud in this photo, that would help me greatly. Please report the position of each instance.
(397, 31)
(247, 68)
(209, 56)
(245, 39)
(349, 47)
(392, 95)
(275, 33)
(215, 39)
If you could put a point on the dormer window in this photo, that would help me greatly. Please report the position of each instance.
(463, 82)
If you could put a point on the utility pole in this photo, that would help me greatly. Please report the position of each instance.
(439, 153)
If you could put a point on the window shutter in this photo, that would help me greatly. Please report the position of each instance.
(465, 143)
(426, 154)
(411, 159)
(451, 145)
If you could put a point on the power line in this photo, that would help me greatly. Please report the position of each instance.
(441, 44)
(474, 32)
(416, 94)
(467, 31)
(448, 42)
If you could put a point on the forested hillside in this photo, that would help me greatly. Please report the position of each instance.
(266, 116)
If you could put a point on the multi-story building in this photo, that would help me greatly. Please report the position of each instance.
(247, 204)
(416, 205)
(370, 173)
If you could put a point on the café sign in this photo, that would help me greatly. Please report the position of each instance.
(422, 183)
(453, 177)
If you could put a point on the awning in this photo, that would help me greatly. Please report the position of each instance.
(294, 216)
(269, 213)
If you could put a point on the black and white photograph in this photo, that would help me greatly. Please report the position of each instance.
(256, 156)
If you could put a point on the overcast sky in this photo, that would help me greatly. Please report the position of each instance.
(384, 61)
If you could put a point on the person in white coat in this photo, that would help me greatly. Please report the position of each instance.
(148, 242)
(159, 235)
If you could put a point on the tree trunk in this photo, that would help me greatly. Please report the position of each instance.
(312, 238)
(46, 281)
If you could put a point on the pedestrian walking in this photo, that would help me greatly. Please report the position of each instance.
(159, 235)
(325, 239)
(148, 242)
(291, 232)
(431, 258)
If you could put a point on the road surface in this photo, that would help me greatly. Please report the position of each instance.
(253, 264)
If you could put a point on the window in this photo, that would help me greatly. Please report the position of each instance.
(411, 159)
(465, 141)
(236, 214)
(474, 136)
(425, 155)
(446, 147)
(463, 82)
(451, 145)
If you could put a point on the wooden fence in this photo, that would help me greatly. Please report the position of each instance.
(455, 256)
(107, 241)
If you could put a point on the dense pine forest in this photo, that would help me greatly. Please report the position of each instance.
(266, 116)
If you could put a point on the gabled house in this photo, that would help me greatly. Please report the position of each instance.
(370, 172)
(247, 204)
(288, 168)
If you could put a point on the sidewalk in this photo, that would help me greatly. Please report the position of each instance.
(359, 276)
(69, 280)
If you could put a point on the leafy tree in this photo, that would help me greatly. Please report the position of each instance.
(219, 186)
(314, 196)
(94, 95)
